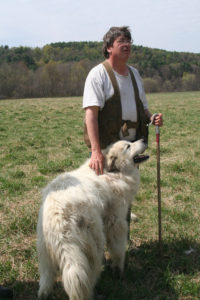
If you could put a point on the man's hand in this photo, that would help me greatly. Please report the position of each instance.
(97, 162)
(158, 121)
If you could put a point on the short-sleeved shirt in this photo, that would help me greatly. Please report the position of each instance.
(98, 89)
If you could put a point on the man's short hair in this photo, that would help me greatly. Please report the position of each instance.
(112, 34)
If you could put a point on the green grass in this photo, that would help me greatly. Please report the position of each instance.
(40, 138)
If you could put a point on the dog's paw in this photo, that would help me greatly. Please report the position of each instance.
(98, 296)
(44, 296)
(117, 273)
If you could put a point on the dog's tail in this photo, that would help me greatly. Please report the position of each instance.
(77, 275)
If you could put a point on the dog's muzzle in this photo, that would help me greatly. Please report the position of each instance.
(140, 158)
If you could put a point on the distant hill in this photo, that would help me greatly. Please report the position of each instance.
(60, 69)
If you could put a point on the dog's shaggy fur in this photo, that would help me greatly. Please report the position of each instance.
(81, 212)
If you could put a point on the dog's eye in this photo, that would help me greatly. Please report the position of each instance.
(128, 146)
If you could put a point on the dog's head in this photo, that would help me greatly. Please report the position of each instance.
(123, 156)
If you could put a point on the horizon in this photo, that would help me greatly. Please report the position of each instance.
(153, 48)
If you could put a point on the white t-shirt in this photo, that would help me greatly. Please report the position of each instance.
(98, 89)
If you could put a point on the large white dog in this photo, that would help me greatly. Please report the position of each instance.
(83, 212)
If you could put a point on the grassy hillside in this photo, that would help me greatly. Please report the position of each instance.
(40, 138)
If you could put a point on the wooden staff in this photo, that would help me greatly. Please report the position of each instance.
(158, 186)
(158, 180)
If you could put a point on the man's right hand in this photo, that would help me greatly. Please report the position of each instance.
(97, 162)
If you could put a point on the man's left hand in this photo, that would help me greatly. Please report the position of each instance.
(158, 120)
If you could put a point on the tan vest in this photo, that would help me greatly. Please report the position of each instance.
(110, 117)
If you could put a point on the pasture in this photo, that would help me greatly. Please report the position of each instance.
(40, 138)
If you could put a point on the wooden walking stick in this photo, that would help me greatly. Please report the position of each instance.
(158, 186)
(158, 181)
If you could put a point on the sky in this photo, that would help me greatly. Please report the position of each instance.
(172, 25)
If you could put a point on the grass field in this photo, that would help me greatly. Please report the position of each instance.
(40, 138)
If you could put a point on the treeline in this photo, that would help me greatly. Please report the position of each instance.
(60, 69)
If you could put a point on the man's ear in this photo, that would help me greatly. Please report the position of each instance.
(109, 50)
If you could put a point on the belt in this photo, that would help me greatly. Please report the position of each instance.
(126, 124)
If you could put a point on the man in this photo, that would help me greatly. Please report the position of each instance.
(114, 99)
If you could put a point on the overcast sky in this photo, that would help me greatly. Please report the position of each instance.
(166, 24)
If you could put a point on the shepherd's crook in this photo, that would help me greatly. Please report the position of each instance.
(158, 180)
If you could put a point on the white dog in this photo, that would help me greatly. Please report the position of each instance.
(81, 212)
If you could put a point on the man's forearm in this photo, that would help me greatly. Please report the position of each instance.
(91, 119)
(97, 158)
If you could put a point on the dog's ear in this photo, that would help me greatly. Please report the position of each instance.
(111, 164)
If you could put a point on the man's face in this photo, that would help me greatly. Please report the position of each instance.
(121, 48)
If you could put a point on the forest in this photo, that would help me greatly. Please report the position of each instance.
(60, 69)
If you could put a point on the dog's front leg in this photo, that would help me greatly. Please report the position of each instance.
(116, 244)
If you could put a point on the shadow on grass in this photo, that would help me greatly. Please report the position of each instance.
(148, 275)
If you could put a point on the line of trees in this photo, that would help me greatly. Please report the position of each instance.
(60, 69)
